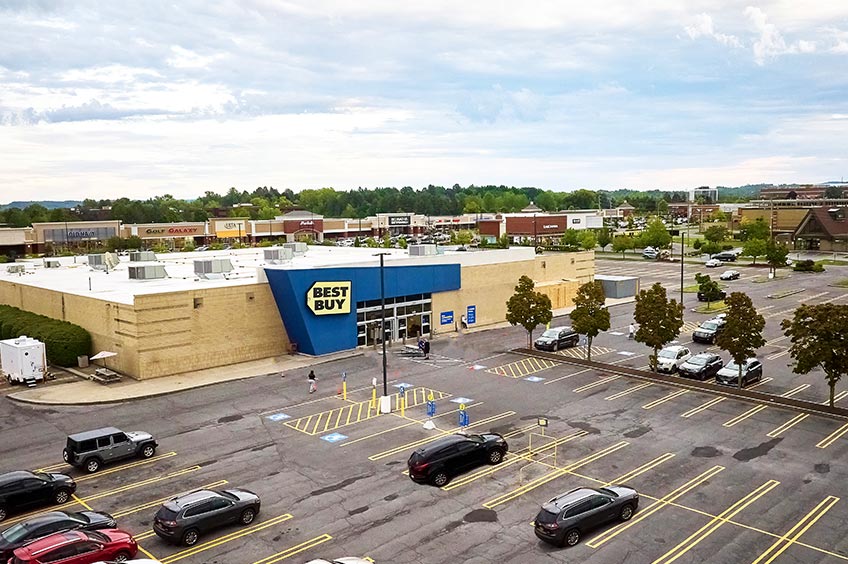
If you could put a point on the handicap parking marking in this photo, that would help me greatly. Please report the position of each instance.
(581, 352)
(534, 379)
(616, 333)
(334, 437)
(403, 385)
(278, 417)
(462, 400)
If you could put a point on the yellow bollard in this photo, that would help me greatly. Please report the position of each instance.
(344, 390)
(402, 402)
(374, 398)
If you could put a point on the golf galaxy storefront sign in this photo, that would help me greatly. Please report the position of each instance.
(327, 298)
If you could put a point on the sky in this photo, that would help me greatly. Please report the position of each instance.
(138, 99)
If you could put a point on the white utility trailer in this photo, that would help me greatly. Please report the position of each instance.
(23, 360)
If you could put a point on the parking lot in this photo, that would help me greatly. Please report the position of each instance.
(721, 480)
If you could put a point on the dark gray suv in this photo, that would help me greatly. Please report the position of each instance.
(566, 518)
(92, 449)
(183, 518)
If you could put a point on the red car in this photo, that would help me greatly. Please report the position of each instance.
(78, 547)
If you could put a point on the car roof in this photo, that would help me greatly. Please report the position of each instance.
(673, 348)
(562, 328)
(93, 434)
(50, 542)
(10, 477)
(564, 500)
(47, 518)
(193, 497)
(442, 442)
(703, 354)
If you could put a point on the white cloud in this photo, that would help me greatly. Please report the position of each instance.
(187, 59)
(770, 42)
(703, 27)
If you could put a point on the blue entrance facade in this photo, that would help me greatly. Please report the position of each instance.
(299, 294)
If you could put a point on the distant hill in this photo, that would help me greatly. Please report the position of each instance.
(49, 204)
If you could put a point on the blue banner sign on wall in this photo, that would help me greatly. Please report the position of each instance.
(471, 315)
(446, 317)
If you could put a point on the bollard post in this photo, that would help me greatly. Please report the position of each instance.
(344, 386)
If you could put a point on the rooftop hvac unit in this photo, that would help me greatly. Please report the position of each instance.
(212, 266)
(52, 263)
(16, 268)
(111, 260)
(147, 272)
(422, 250)
(97, 261)
(277, 255)
(297, 247)
(142, 256)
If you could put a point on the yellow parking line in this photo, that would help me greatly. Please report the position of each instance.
(529, 486)
(609, 534)
(297, 549)
(759, 408)
(833, 437)
(695, 538)
(54, 467)
(123, 467)
(317, 422)
(82, 502)
(784, 542)
(142, 483)
(160, 501)
(702, 407)
(512, 368)
(413, 444)
(150, 556)
(641, 469)
(798, 418)
(628, 391)
(144, 535)
(669, 397)
(404, 425)
(198, 548)
(600, 382)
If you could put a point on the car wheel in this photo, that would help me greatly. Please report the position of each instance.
(147, 451)
(626, 512)
(571, 538)
(555, 347)
(61, 496)
(190, 537)
(92, 465)
(121, 557)
(495, 456)
(247, 516)
(65, 456)
(2, 513)
(440, 479)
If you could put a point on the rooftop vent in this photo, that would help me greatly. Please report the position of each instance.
(203, 267)
(142, 256)
(16, 268)
(97, 262)
(422, 250)
(297, 247)
(52, 263)
(276, 255)
(147, 272)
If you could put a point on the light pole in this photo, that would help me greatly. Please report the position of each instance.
(385, 401)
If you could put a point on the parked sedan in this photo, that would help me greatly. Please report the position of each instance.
(79, 547)
(730, 275)
(49, 523)
(181, 519)
(23, 489)
(557, 338)
(752, 371)
(713, 263)
(437, 462)
(702, 366)
(563, 520)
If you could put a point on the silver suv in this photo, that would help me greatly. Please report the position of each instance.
(92, 449)
(670, 358)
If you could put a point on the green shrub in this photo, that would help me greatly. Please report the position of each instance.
(63, 341)
(697, 244)
(727, 247)
(808, 266)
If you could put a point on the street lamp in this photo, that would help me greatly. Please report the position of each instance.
(385, 401)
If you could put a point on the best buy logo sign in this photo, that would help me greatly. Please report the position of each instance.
(325, 298)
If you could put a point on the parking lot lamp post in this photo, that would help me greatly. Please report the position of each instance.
(385, 401)
(682, 254)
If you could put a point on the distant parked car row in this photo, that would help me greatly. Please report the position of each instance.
(706, 365)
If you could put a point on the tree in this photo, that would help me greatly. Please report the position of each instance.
(743, 330)
(709, 288)
(776, 254)
(588, 240)
(589, 316)
(662, 207)
(757, 229)
(464, 237)
(711, 248)
(656, 235)
(528, 308)
(754, 248)
(622, 243)
(604, 238)
(819, 337)
(659, 319)
(571, 238)
(716, 233)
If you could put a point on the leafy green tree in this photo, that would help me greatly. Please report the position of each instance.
(716, 233)
(709, 288)
(743, 330)
(757, 229)
(622, 243)
(464, 237)
(630, 222)
(659, 319)
(604, 238)
(754, 248)
(662, 207)
(402, 242)
(387, 241)
(503, 241)
(528, 308)
(776, 254)
(656, 235)
(711, 248)
(571, 238)
(588, 240)
(819, 337)
(589, 316)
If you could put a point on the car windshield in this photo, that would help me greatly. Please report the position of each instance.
(551, 333)
(667, 353)
(15, 533)
(98, 536)
(709, 325)
(608, 492)
(698, 360)
(733, 366)
(229, 495)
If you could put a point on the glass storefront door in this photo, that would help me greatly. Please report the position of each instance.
(407, 317)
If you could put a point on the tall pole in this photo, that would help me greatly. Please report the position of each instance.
(385, 402)
(682, 246)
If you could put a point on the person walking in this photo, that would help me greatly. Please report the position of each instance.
(311, 378)
(426, 349)
(632, 331)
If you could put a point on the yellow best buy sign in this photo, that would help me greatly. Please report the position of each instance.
(326, 298)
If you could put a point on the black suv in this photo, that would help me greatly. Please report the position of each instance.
(183, 518)
(443, 459)
(22, 489)
(702, 366)
(48, 523)
(708, 330)
(725, 256)
(91, 449)
(567, 517)
(557, 338)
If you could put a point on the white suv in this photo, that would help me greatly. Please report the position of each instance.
(670, 358)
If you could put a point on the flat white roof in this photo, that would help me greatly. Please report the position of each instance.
(74, 276)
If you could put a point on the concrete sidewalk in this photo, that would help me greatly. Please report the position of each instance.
(87, 392)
